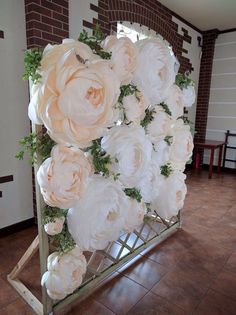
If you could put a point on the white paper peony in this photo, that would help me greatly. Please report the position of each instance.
(171, 195)
(189, 96)
(155, 71)
(135, 215)
(159, 127)
(182, 145)
(74, 101)
(65, 273)
(54, 227)
(134, 107)
(131, 152)
(150, 184)
(175, 102)
(123, 58)
(99, 216)
(63, 177)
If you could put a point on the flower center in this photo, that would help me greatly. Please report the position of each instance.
(112, 216)
(94, 96)
(178, 195)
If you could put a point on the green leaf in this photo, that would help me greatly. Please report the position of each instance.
(101, 160)
(64, 240)
(51, 213)
(133, 193)
(149, 116)
(183, 81)
(94, 42)
(165, 108)
(166, 170)
(126, 90)
(32, 62)
(169, 140)
(35, 144)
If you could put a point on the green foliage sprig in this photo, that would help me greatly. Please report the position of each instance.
(126, 90)
(101, 160)
(35, 144)
(32, 62)
(64, 241)
(51, 213)
(183, 81)
(166, 170)
(165, 108)
(133, 193)
(168, 140)
(149, 116)
(94, 42)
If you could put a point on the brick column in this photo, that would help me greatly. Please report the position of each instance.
(204, 86)
(47, 21)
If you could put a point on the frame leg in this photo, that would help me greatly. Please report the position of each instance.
(211, 162)
(219, 159)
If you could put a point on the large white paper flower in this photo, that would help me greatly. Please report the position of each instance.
(123, 58)
(63, 177)
(54, 227)
(159, 127)
(99, 215)
(131, 152)
(171, 195)
(175, 102)
(134, 215)
(75, 101)
(189, 96)
(155, 71)
(134, 107)
(65, 273)
(182, 145)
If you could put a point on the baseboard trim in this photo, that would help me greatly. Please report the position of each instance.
(17, 227)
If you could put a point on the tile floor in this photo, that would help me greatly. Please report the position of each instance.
(191, 273)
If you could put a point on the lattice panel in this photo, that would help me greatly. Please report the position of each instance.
(102, 260)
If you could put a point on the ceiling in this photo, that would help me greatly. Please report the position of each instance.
(205, 14)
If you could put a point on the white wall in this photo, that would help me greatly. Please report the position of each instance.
(79, 10)
(194, 54)
(16, 204)
(222, 104)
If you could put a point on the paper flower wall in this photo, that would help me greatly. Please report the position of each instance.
(115, 112)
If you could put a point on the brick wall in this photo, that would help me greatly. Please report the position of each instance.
(150, 13)
(46, 22)
(208, 48)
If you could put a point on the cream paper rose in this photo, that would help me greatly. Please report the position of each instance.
(155, 71)
(171, 195)
(135, 215)
(159, 127)
(134, 107)
(130, 151)
(65, 273)
(75, 101)
(175, 102)
(189, 96)
(63, 177)
(54, 227)
(99, 216)
(150, 184)
(182, 145)
(123, 58)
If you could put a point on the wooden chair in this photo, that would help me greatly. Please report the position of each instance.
(228, 134)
